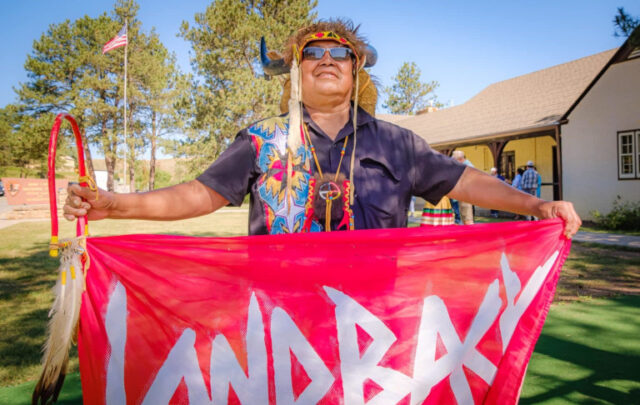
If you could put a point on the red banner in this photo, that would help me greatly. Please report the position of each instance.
(440, 316)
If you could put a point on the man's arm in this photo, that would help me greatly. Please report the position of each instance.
(186, 200)
(486, 191)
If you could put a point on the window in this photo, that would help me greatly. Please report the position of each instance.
(629, 154)
(638, 154)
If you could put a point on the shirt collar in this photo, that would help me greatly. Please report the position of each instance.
(363, 119)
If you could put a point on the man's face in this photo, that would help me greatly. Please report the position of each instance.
(326, 77)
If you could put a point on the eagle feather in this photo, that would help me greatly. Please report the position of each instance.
(63, 319)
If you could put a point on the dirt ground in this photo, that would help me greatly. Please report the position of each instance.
(597, 271)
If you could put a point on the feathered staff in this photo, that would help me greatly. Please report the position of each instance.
(63, 317)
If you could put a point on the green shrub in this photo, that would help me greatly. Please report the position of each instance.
(625, 215)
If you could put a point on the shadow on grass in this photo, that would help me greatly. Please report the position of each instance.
(599, 271)
(604, 366)
(26, 274)
(25, 299)
(588, 353)
(71, 393)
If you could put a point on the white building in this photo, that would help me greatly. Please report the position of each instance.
(579, 121)
(601, 141)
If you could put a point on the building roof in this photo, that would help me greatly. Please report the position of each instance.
(519, 105)
(392, 118)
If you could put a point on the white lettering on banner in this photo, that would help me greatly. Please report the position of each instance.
(355, 367)
(225, 369)
(514, 310)
(436, 321)
(182, 362)
(287, 338)
(115, 322)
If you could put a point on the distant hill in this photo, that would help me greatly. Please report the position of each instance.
(167, 165)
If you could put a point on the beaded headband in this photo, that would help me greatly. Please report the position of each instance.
(327, 36)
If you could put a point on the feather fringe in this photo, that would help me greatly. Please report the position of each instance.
(63, 320)
(294, 139)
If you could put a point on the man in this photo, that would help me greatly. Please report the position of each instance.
(517, 181)
(327, 164)
(494, 172)
(530, 181)
(465, 208)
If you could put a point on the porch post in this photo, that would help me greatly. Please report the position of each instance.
(496, 148)
(558, 157)
(446, 151)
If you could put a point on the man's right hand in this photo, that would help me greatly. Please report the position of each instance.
(97, 204)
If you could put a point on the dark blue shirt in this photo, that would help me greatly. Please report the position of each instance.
(391, 165)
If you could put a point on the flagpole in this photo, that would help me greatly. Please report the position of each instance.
(125, 100)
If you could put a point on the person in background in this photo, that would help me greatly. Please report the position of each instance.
(412, 206)
(494, 173)
(517, 181)
(530, 180)
(466, 209)
(438, 214)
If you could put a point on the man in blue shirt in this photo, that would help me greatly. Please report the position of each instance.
(530, 179)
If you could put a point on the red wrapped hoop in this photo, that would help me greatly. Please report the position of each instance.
(82, 224)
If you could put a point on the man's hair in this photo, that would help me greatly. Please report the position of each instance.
(458, 154)
(342, 27)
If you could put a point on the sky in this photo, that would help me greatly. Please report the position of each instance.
(463, 45)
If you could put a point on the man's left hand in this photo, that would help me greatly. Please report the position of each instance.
(564, 210)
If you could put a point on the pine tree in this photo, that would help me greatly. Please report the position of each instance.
(231, 91)
(625, 26)
(24, 140)
(408, 94)
(68, 72)
(163, 85)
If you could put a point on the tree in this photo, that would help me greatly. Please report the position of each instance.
(231, 91)
(68, 72)
(53, 71)
(162, 85)
(24, 140)
(408, 94)
(625, 26)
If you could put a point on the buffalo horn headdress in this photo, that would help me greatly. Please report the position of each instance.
(364, 93)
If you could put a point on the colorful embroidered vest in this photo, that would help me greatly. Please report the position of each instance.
(270, 140)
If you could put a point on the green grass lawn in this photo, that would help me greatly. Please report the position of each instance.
(588, 352)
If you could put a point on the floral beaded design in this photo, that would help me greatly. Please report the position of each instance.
(286, 209)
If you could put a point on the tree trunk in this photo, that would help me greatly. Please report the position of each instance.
(131, 148)
(132, 173)
(109, 158)
(88, 159)
(152, 159)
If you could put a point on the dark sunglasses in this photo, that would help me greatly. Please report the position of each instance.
(317, 53)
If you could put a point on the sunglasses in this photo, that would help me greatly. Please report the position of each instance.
(317, 53)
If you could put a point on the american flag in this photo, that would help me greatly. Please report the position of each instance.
(117, 41)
